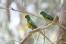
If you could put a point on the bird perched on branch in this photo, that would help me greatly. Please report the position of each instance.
(49, 17)
(46, 16)
(30, 22)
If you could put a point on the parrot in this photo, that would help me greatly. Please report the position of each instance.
(46, 16)
(30, 22)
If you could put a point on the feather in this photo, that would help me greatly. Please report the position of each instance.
(30, 22)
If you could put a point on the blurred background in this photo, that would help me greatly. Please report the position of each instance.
(13, 25)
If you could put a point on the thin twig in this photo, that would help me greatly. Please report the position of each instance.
(46, 37)
(38, 38)
(33, 31)
(22, 42)
(20, 11)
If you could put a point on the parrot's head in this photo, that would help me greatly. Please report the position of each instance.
(43, 13)
(27, 17)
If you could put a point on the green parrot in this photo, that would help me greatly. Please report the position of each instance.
(46, 16)
(30, 22)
